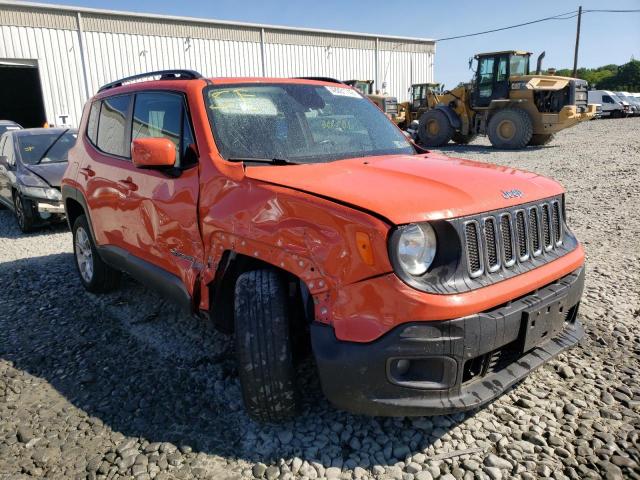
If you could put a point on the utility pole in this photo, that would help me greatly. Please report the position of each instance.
(575, 54)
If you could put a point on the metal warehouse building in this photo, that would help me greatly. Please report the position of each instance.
(52, 58)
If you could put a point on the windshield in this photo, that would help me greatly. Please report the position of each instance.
(46, 147)
(300, 123)
(519, 65)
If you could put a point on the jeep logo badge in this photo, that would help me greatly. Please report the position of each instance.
(507, 194)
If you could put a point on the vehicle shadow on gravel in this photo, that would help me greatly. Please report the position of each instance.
(134, 365)
(11, 230)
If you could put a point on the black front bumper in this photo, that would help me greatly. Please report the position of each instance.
(440, 367)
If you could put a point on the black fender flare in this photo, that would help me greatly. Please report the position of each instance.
(452, 116)
(72, 193)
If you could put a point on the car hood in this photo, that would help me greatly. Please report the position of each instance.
(50, 172)
(413, 188)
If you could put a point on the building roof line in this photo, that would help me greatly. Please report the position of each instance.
(227, 23)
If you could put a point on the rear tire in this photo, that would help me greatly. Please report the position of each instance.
(510, 129)
(461, 139)
(95, 275)
(23, 210)
(263, 346)
(434, 129)
(538, 139)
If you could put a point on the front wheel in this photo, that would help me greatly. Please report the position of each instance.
(95, 275)
(434, 129)
(23, 210)
(510, 128)
(263, 346)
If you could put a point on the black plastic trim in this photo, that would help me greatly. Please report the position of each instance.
(148, 274)
(355, 376)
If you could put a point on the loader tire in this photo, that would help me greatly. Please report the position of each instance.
(434, 129)
(510, 129)
(263, 346)
(461, 139)
(538, 139)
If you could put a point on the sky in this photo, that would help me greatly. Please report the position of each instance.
(606, 37)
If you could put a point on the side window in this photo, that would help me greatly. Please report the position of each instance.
(485, 72)
(606, 99)
(502, 70)
(162, 114)
(112, 128)
(92, 123)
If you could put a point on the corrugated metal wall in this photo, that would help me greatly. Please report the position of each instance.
(117, 45)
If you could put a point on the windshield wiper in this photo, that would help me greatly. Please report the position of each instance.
(270, 161)
(51, 146)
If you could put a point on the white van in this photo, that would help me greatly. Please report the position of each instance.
(633, 101)
(612, 106)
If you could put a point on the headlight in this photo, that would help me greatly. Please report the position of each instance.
(415, 248)
(39, 192)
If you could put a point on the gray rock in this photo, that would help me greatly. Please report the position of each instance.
(258, 470)
(493, 472)
(492, 460)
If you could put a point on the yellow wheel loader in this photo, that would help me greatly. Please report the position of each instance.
(386, 103)
(506, 102)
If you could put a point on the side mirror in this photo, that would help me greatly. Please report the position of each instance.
(153, 152)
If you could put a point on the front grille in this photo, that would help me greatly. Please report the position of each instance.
(580, 95)
(528, 236)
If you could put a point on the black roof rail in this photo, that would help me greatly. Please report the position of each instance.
(164, 75)
(322, 79)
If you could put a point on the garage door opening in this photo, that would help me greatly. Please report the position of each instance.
(21, 95)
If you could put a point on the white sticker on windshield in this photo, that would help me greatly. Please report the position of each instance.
(343, 92)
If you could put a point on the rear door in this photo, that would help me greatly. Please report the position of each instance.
(158, 215)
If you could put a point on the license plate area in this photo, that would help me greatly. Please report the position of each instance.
(543, 322)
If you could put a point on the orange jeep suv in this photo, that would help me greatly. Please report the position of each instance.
(292, 210)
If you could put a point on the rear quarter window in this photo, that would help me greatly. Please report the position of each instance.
(92, 123)
(112, 127)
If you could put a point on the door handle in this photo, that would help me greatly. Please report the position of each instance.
(88, 171)
(128, 183)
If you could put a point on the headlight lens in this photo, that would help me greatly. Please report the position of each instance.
(416, 248)
(39, 192)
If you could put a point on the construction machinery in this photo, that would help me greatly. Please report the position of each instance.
(386, 103)
(514, 107)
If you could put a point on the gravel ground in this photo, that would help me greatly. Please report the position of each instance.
(123, 386)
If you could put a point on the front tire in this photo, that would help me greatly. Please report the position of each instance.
(263, 346)
(434, 129)
(95, 275)
(510, 129)
(23, 210)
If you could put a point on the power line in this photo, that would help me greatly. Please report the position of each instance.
(612, 11)
(562, 16)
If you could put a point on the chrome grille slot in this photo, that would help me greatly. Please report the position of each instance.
(474, 259)
(491, 244)
(546, 227)
(521, 234)
(534, 231)
(557, 223)
(506, 233)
